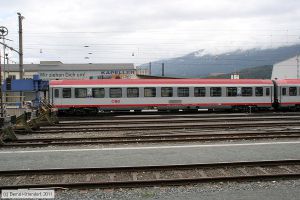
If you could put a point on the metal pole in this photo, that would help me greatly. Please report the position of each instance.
(20, 45)
(3, 58)
(163, 69)
(6, 56)
(149, 68)
(1, 95)
(4, 95)
(297, 66)
(7, 62)
(21, 53)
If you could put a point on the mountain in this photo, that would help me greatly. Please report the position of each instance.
(261, 72)
(200, 64)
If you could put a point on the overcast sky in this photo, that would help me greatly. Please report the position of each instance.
(141, 31)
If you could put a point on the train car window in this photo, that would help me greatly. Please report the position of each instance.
(150, 92)
(132, 92)
(66, 92)
(80, 92)
(259, 91)
(199, 91)
(283, 91)
(115, 92)
(166, 92)
(56, 93)
(183, 92)
(293, 91)
(231, 91)
(98, 92)
(267, 91)
(215, 91)
(247, 91)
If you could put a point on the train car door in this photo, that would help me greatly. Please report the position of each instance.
(277, 93)
(270, 92)
(56, 96)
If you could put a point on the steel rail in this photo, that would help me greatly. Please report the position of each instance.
(170, 126)
(264, 171)
(135, 115)
(42, 142)
(166, 120)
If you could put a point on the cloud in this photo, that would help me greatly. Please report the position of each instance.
(152, 29)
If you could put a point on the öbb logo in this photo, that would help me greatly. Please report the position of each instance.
(115, 101)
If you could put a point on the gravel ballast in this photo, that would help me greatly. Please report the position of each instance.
(267, 190)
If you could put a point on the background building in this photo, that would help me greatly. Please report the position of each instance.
(52, 70)
(287, 69)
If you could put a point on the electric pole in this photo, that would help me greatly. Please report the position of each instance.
(20, 45)
(3, 33)
(162, 69)
(1, 96)
(297, 66)
(4, 58)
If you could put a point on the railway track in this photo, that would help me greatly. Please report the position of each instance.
(148, 175)
(161, 138)
(167, 120)
(168, 126)
(134, 115)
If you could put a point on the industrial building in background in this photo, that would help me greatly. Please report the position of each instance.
(56, 70)
(287, 69)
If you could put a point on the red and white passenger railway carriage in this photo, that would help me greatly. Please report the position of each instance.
(287, 93)
(161, 94)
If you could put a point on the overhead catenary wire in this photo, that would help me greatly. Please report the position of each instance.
(63, 46)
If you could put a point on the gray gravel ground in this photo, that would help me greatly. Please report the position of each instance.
(265, 190)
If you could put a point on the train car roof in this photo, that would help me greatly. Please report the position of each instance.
(288, 82)
(159, 81)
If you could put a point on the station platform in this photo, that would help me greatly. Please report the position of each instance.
(147, 155)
